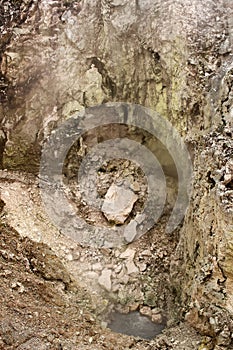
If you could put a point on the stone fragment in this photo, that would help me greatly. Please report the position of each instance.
(118, 203)
(93, 91)
(135, 186)
(118, 268)
(157, 318)
(131, 267)
(142, 267)
(155, 311)
(134, 306)
(146, 252)
(92, 275)
(128, 254)
(69, 257)
(130, 232)
(121, 273)
(117, 253)
(105, 279)
(19, 286)
(104, 324)
(225, 47)
(115, 287)
(146, 311)
(124, 279)
(97, 267)
(140, 218)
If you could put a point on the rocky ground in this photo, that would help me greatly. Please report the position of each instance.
(42, 307)
(62, 301)
(132, 276)
(58, 294)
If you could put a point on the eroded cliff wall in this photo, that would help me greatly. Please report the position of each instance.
(175, 57)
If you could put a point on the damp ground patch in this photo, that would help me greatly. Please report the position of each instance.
(134, 324)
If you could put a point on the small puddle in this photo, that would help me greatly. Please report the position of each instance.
(134, 324)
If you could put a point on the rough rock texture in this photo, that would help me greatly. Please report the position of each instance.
(42, 306)
(172, 56)
(133, 275)
(118, 203)
(205, 246)
(160, 54)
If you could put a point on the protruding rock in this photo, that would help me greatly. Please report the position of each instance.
(118, 203)
(142, 267)
(146, 311)
(157, 318)
(128, 254)
(131, 267)
(105, 279)
(130, 231)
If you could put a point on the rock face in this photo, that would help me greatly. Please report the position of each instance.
(206, 240)
(171, 56)
(108, 52)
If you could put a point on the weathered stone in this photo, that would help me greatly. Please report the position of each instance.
(146, 252)
(97, 267)
(157, 318)
(142, 267)
(130, 232)
(118, 203)
(69, 257)
(92, 275)
(201, 237)
(134, 306)
(124, 279)
(128, 254)
(115, 287)
(135, 186)
(122, 273)
(118, 268)
(131, 267)
(146, 311)
(224, 338)
(105, 280)
(94, 95)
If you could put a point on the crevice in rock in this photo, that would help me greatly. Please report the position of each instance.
(211, 180)
(107, 83)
